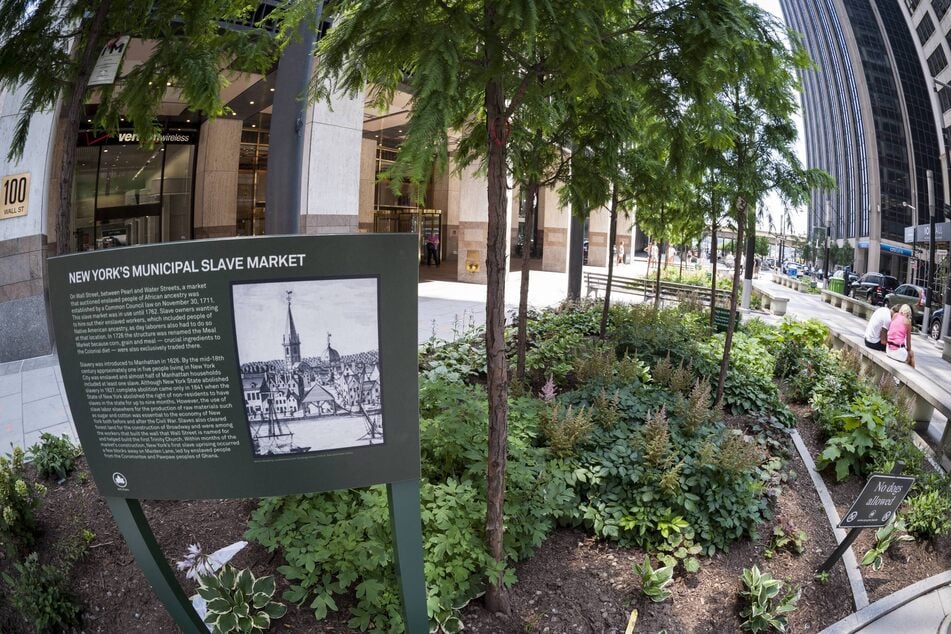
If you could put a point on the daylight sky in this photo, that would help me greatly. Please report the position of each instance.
(772, 202)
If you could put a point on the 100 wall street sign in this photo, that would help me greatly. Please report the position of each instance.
(245, 367)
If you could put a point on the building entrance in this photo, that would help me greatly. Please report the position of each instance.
(125, 194)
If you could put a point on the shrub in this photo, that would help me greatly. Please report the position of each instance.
(238, 602)
(19, 499)
(457, 361)
(40, 593)
(862, 436)
(762, 609)
(928, 513)
(337, 541)
(786, 536)
(54, 456)
(565, 428)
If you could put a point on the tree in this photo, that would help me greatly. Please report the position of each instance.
(756, 112)
(51, 48)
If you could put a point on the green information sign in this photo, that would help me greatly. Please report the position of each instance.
(721, 318)
(245, 368)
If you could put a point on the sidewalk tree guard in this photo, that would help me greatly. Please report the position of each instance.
(244, 427)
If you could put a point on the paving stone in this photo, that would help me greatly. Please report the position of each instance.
(33, 437)
(924, 614)
(9, 384)
(11, 411)
(39, 384)
(44, 413)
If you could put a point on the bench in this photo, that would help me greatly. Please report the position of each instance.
(849, 304)
(793, 282)
(775, 304)
(596, 283)
(925, 397)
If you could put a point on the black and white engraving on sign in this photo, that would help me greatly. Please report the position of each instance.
(308, 352)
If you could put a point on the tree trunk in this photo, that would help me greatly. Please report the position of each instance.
(680, 273)
(71, 116)
(531, 213)
(612, 238)
(731, 323)
(713, 285)
(496, 598)
(661, 253)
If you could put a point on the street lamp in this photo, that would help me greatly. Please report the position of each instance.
(825, 262)
(914, 234)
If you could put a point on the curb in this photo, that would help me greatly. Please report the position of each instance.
(863, 618)
(852, 571)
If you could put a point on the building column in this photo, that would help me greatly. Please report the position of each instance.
(23, 239)
(599, 226)
(474, 226)
(331, 182)
(216, 179)
(367, 185)
(556, 219)
(446, 190)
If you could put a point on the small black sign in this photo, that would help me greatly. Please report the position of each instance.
(878, 501)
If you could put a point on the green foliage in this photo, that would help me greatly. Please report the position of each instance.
(884, 538)
(564, 429)
(54, 456)
(762, 608)
(457, 361)
(786, 536)
(928, 512)
(20, 498)
(862, 435)
(823, 577)
(40, 593)
(237, 601)
(337, 541)
(654, 581)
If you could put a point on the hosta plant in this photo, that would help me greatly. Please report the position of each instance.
(239, 602)
(654, 582)
(885, 536)
(763, 609)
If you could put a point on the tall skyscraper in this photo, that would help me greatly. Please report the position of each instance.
(872, 121)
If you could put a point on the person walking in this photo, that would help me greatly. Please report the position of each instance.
(899, 337)
(876, 333)
(620, 253)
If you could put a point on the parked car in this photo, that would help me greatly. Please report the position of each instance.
(934, 329)
(872, 287)
(848, 276)
(915, 296)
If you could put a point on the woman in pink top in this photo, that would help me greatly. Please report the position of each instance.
(899, 337)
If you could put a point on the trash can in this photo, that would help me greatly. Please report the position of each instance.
(837, 285)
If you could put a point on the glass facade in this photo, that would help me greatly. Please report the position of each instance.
(252, 175)
(905, 138)
(125, 194)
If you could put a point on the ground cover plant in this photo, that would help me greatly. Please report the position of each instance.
(616, 436)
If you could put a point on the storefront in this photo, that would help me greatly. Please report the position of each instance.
(125, 194)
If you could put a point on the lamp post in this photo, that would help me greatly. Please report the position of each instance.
(914, 234)
(929, 279)
(946, 180)
(825, 265)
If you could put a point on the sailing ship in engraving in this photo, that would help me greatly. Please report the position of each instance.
(326, 400)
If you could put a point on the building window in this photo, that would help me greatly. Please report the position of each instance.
(937, 61)
(941, 7)
(925, 28)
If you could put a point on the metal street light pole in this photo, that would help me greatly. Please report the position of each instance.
(825, 265)
(929, 279)
(946, 179)
(914, 234)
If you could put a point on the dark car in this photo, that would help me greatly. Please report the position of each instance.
(873, 287)
(915, 296)
(934, 329)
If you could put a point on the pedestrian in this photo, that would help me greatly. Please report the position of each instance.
(876, 333)
(620, 253)
(652, 254)
(899, 337)
(431, 253)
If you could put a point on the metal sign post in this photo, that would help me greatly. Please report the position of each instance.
(876, 505)
(246, 368)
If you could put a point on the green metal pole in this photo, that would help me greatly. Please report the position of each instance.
(406, 524)
(135, 529)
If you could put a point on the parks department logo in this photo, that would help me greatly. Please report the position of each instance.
(120, 480)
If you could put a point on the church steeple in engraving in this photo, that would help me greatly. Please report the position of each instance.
(291, 338)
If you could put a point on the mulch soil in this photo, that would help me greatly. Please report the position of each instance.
(905, 562)
(574, 583)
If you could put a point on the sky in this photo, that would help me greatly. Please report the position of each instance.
(772, 202)
(345, 308)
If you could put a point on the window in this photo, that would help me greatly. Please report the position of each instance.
(941, 7)
(937, 61)
(925, 28)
